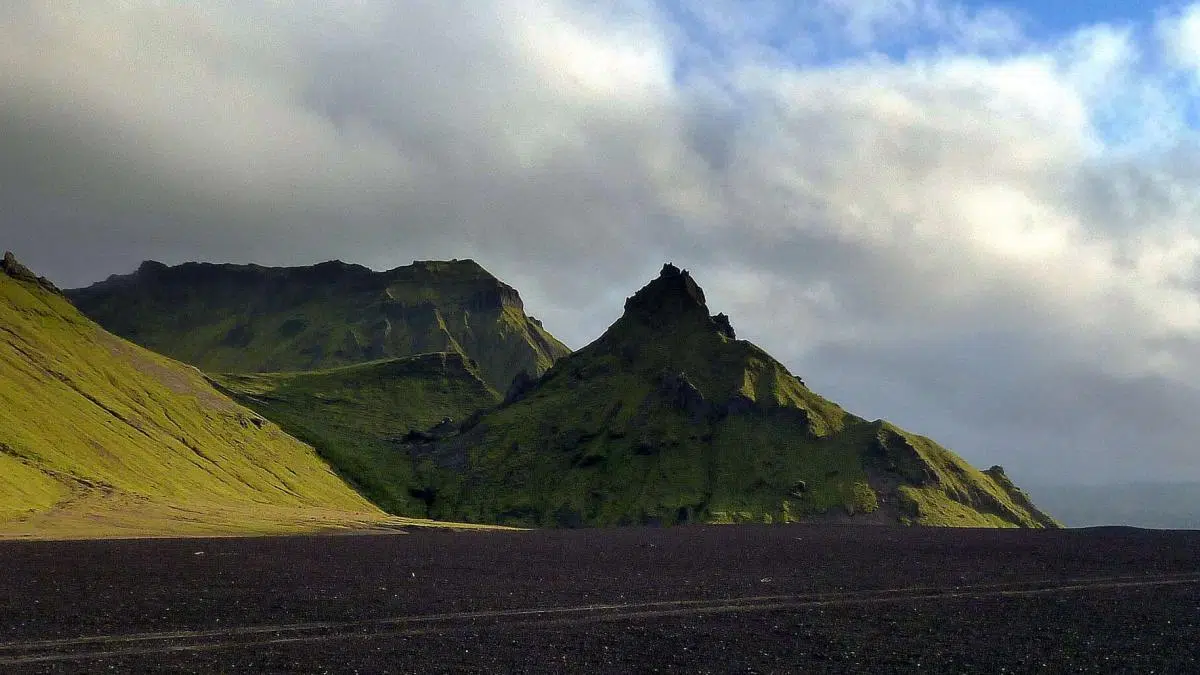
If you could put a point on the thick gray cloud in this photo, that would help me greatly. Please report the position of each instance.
(928, 215)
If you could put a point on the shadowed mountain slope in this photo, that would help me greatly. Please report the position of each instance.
(669, 418)
(247, 318)
(358, 416)
(100, 437)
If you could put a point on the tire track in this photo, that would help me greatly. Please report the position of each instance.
(138, 644)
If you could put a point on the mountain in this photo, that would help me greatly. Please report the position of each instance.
(100, 437)
(247, 318)
(356, 416)
(668, 418)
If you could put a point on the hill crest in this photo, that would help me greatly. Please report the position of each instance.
(250, 318)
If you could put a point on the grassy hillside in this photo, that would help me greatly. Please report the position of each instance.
(246, 318)
(99, 437)
(357, 416)
(668, 418)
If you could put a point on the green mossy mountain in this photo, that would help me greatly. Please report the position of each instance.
(358, 417)
(247, 318)
(100, 437)
(668, 418)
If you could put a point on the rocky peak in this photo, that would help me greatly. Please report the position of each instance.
(13, 268)
(672, 293)
(723, 326)
(673, 296)
(460, 282)
(149, 267)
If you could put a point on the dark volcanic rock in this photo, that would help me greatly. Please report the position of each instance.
(13, 268)
(521, 385)
(684, 395)
(688, 599)
(672, 294)
(723, 326)
(672, 301)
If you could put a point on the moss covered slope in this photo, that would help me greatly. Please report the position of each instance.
(247, 318)
(99, 437)
(668, 418)
(358, 416)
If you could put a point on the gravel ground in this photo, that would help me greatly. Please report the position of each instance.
(687, 599)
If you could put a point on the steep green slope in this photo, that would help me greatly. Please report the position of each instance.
(101, 437)
(246, 318)
(668, 418)
(356, 416)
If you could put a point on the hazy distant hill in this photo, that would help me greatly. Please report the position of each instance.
(1174, 506)
(247, 318)
(101, 437)
(668, 418)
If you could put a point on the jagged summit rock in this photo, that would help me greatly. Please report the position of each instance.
(251, 318)
(15, 269)
(672, 301)
(674, 292)
(12, 267)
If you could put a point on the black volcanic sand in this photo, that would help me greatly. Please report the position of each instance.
(688, 599)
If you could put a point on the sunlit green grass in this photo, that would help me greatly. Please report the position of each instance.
(91, 424)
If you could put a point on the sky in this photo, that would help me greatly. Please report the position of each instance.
(977, 220)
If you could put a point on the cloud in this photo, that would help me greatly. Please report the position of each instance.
(927, 213)
(868, 24)
(1178, 30)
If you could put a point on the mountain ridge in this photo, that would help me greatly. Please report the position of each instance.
(251, 318)
(668, 418)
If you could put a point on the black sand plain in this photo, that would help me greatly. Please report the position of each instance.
(685, 599)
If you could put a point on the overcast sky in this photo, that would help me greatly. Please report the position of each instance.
(976, 220)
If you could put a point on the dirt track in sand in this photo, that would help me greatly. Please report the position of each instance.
(715, 599)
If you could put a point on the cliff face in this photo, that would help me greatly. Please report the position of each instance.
(247, 318)
(668, 418)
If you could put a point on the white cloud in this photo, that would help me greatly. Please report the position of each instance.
(949, 213)
(1180, 34)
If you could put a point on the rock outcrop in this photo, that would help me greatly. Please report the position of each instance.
(12, 267)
